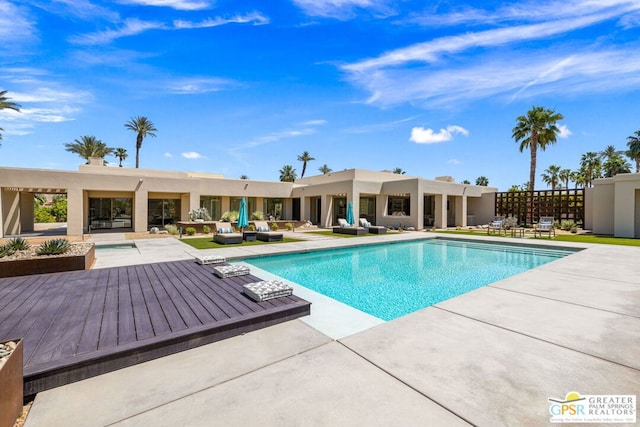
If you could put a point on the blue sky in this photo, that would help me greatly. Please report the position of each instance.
(243, 88)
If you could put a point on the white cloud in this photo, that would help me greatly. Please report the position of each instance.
(167, 154)
(454, 162)
(174, 4)
(130, 27)
(193, 155)
(343, 9)
(319, 122)
(252, 18)
(16, 27)
(472, 65)
(377, 127)
(564, 132)
(188, 86)
(421, 135)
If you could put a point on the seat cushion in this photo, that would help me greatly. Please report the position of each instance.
(231, 270)
(267, 289)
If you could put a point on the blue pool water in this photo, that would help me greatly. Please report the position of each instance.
(391, 280)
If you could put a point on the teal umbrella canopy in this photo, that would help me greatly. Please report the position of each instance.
(350, 219)
(243, 218)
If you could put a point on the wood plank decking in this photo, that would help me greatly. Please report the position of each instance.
(80, 324)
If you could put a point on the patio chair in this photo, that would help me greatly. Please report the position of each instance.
(265, 234)
(225, 235)
(497, 226)
(545, 225)
(373, 229)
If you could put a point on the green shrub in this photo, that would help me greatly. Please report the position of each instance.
(257, 216)
(252, 227)
(59, 209)
(18, 244)
(574, 229)
(190, 231)
(172, 229)
(289, 226)
(54, 247)
(274, 226)
(206, 229)
(42, 214)
(229, 216)
(567, 224)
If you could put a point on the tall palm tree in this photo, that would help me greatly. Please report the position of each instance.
(609, 153)
(143, 127)
(536, 130)
(482, 180)
(304, 158)
(614, 165)
(633, 142)
(565, 176)
(244, 177)
(551, 176)
(288, 174)
(5, 103)
(121, 154)
(398, 171)
(88, 146)
(325, 169)
(590, 164)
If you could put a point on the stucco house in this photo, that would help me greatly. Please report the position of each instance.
(126, 199)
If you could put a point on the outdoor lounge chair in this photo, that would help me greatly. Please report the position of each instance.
(265, 234)
(345, 228)
(225, 234)
(373, 229)
(545, 225)
(497, 227)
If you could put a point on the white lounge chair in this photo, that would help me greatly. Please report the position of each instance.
(226, 235)
(374, 229)
(545, 225)
(265, 234)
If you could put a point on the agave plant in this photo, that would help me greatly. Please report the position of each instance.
(54, 247)
(18, 244)
(6, 250)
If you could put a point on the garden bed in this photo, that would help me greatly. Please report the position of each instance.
(80, 257)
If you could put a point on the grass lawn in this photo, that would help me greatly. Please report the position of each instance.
(577, 238)
(208, 243)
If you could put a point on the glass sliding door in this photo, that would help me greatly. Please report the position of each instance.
(107, 213)
(162, 212)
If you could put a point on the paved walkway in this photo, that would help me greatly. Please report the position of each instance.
(491, 357)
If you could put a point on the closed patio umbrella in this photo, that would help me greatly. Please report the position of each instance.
(350, 219)
(243, 218)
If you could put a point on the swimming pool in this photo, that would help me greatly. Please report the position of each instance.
(391, 280)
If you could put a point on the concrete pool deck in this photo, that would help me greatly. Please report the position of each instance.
(493, 356)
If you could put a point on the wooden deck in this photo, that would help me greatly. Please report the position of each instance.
(80, 324)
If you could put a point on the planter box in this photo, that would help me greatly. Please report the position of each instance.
(11, 381)
(54, 264)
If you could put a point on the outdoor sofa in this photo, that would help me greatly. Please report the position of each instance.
(225, 235)
(373, 229)
(265, 234)
(345, 228)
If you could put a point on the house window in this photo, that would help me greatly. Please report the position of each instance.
(162, 212)
(368, 208)
(234, 203)
(399, 206)
(213, 206)
(273, 208)
(110, 213)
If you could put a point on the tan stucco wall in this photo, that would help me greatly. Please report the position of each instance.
(602, 207)
(10, 212)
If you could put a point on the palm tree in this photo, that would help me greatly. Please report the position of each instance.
(304, 158)
(288, 174)
(466, 181)
(551, 176)
(6, 104)
(88, 146)
(398, 171)
(121, 154)
(565, 176)
(325, 169)
(590, 165)
(615, 165)
(536, 130)
(244, 177)
(482, 180)
(633, 142)
(609, 153)
(579, 178)
(143, 127)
